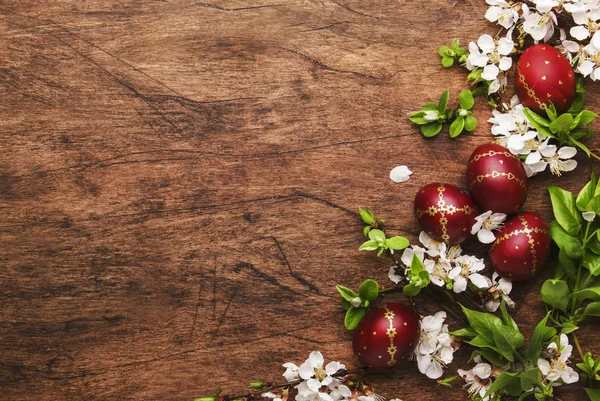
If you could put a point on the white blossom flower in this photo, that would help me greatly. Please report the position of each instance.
(589, 58)
(273, 396)
(400, 174)
(305, 393)
(502, 13)
(478, 380)
(493, 58)
(291, 371)
(539, 26)
(514, 130)
(545, 6)
(567, 47)
(557, 367)
(485, 224)
(466, 269)
(499, 289)
(547, 155)
(435, 349)
(312, 371)
(589, 216)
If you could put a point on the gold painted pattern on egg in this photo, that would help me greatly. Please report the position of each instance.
(531, 242)
(530, 91)
(443, 209)
(489, 154)
(526, 231)
(496, 174)
(391, 333)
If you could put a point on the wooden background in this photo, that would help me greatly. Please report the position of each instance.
(179, 183)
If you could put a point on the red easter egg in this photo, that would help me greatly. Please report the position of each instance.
(386, 335)
(521, 247)
(497, 180)
(545, 75)
(445, 212)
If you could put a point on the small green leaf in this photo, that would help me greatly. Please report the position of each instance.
(578, 103)
(368, 290)
(587, 193)
(568, 328)
(507, 340)
(369, 245)
(538, 122)
(534, 350)
(593, 394)
(591, 261)
(366, 216)
(470, 123)
(346, 293)
(411, 290)
(529, 379)
(464, 332)
(447, 61)
(592, 309)
(377, 235)
(345, 304)
(506, 379)
(397, 243)
(457, 127)
(353, 317)
(431, 106)
(431, 129)
(444, 51)
(443, 103)
(556, 294)
(586, 117)
(592, 293)
(491, 356)
(506, 317)
(561, 124)
(257, 385)
(567, 243)
(419, 117)
(455, 44)
(466, 99)
(366, 230)
(447, 382)
(482, 323)
(565, 210)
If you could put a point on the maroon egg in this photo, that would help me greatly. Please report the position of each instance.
(386, 335)
(544, 75)
(445, 212)
(497, 180)
(521, 247)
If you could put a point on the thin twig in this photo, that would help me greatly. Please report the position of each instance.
(576, 340)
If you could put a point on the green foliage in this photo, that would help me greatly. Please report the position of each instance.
(417, 276)
(453, 54)
(357, 303)
(590, 366)
(370, 220)
(433, 116)
(568, 128)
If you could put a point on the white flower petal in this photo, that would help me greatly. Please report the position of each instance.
(505, 46)
(313, 384)
(306, 370)
(579, 32)
(486, 236)
(333, 367)
(460, 284)
(316, 359)
(400, 174)
(486, 43)
(589, 216)
(505, 63)
(566, 152)
(490, 72)
(482, 370)
(544, 366)
(570, 165)
(479, 280)
(396, 278)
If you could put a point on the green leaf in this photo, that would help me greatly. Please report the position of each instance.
(418, 118)
(506, 317)
(447, 61)
(507, 341)
(443, 103)
(491, 356)
(411, 290)
(345, 304)
(529, 379)
(586, 117)
(591, 261)
(481, 342)
(431, 106)
(567, 243)
(573, 141)
(565, 210)
(594, 205)
(587, 193)
(534, 350)
(470, 123)
(506, 379)
(457, 127)
(397, 243)
(551, 111)
(466, 99)
(593, 394)
(455, 44)
(561, 124)
(368, 290)
(366, 230)
(353, 317)
(445, 51)
(431, 129)
(482, 323)
(578, 103)
(366, 216)
(556, 294)
(464, 332)
(538, 122)
(592, 309)
(257, 385)
(568, 328)
(592, 293)
(369, 245)
(346, 293)
(475, 75)
(377, 235)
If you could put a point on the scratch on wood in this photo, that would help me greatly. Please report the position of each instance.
(215, 289)
(268, 278)
(353, 10)
(296, 276)
(216, 333)
(198, 302)
(210, 5)
(328, 68)
(326, 26)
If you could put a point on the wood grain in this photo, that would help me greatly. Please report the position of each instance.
(179, 183)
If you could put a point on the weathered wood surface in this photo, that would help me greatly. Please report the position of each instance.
(179, 181)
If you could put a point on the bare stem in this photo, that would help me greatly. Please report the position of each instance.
(595, 156)
(577, 345)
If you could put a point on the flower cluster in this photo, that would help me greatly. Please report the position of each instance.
(478, 380)
(323, 383)
(554, 367)
(446, 265)
(436, 346)
(492, 56)
(514, 131)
